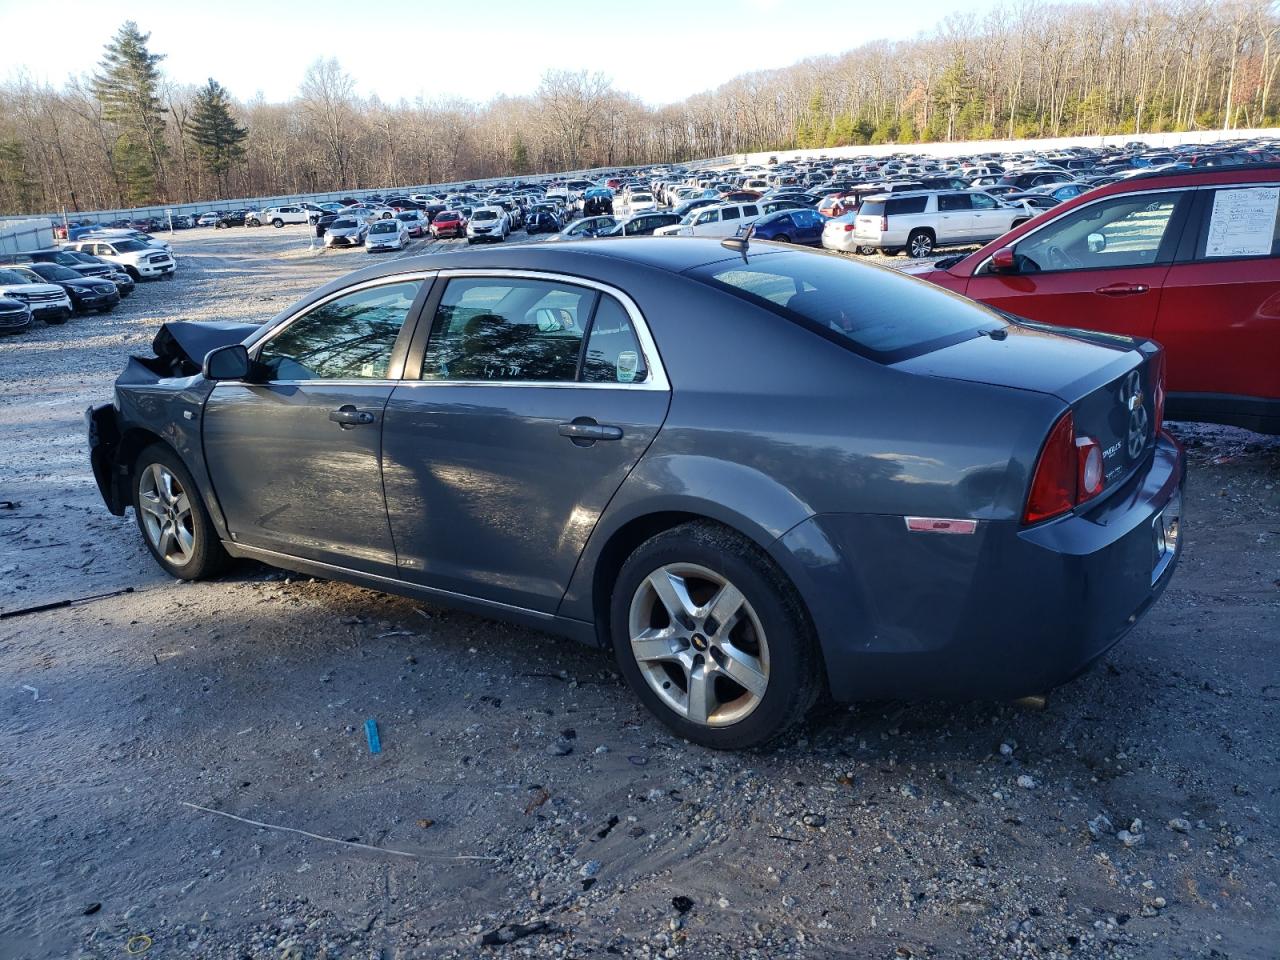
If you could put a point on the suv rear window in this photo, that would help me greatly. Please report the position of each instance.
(871, 208)
(903, 205)
(876, 313)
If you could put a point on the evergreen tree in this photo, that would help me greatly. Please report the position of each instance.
(127, 85)
(218, 138)
(519, 155)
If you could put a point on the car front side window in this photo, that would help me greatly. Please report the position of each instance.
(1123, 231)
(350, 337)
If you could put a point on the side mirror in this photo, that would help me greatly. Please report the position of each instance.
(1097, 243)
(227, 363)
(1002, 261)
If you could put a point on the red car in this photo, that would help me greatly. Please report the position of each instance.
(1188, 258)
(449, 223)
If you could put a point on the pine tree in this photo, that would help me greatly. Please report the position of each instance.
(519, 155)
(218, 138)
(127, 85)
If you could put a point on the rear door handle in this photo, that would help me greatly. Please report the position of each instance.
(1122, 289)
(584, 431)
(347, 416)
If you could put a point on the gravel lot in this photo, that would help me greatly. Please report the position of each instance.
(521, 793)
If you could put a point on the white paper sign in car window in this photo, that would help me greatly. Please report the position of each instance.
(1243, 222)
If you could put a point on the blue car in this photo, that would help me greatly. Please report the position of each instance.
(788, 226)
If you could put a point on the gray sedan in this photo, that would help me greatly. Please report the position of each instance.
(755, 474)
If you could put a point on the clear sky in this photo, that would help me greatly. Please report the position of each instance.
(659, 50)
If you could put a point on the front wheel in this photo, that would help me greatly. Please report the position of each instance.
(713, 638)
(172, 517)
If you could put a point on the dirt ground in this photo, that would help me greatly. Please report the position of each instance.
(523, 803)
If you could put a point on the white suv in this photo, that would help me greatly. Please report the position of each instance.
(277, 216)
(721, 220)
(488, 223)
(920, 221)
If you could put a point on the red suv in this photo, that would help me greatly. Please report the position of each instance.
(1189, 258)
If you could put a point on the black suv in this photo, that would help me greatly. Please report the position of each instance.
(231, 218)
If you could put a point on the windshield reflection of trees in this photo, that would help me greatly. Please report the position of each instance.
(343, 340)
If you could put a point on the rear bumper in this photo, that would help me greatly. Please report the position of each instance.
(1003, 613)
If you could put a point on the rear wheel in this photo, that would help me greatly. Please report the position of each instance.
(920, 243)
(172, 517)
(712, 637)
(277, 223)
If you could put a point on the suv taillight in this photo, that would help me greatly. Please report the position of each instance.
(1068, 472)
(884, 224)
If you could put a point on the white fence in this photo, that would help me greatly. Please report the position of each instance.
(961, 148)
(19, 236)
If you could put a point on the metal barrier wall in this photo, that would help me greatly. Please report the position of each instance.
(18, 236)
(162, 212)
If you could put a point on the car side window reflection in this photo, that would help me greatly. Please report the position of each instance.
(348, 338)
(1124, 231)
(507, 330)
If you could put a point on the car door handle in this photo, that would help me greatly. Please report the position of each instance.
(1122, 289)
(585, 431)
(347, 416)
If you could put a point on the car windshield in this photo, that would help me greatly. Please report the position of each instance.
(128, 246)
(384, 226)
(878, 314)
(15, 276)
(51, 271)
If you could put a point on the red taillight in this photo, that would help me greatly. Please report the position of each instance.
(1053, 485)
(848, 228)
(1156, 368)
(1068, 472)
(884, 224)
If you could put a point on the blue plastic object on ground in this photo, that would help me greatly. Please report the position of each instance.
(371, 734)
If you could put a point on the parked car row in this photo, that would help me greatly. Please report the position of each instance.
(54, 284)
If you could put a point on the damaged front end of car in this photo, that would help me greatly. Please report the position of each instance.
(156, 398)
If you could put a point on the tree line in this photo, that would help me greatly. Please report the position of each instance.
(126, 135)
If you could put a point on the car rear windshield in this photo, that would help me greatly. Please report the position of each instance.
(485, 215)
(872, 208)
(875, 312)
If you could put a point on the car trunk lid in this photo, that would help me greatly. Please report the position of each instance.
(1108, 381)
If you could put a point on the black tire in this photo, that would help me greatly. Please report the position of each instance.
(207, 558)
(55, 321)
(133, 272)
(277, 223)
(795, 675)
(920, 244)
(782, 238)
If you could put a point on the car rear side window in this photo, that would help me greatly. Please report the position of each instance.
(347, 338)
(503, 329)
(878, 314)
(1240, 221)
(906, 205)
(613, 352)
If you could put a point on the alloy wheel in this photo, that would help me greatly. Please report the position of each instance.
(166, 514)
(699, 644)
